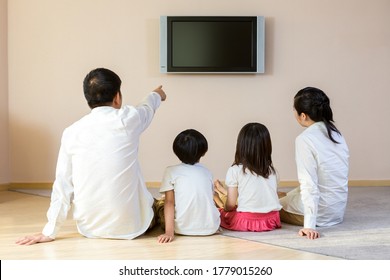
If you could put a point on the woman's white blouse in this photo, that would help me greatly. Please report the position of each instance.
(323, 168)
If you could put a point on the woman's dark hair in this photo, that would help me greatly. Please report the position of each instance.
(189, 146)
(100, 87)
(254, 149)
(316, 104)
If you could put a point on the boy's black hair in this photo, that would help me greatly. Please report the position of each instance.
(189, 146)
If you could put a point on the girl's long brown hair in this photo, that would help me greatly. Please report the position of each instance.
(254, 149)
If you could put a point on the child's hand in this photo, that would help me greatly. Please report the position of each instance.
(165, 238)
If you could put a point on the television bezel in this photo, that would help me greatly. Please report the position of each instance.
(259, 38)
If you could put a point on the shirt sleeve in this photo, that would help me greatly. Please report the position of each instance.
(62, 195)
(167, 182)
(308, 180)
(231, 179)
(147, 108)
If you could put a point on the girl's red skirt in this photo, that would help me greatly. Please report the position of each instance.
(247, 221)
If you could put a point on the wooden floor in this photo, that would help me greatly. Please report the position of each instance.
(24, 214)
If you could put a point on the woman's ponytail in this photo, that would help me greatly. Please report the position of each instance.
(316, 104)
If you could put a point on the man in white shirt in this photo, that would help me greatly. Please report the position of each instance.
(98, 170)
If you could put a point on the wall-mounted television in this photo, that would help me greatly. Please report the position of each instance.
(212, 44)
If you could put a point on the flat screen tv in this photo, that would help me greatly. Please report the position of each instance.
(212, 44)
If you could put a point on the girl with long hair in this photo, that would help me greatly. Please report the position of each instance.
(250, 201)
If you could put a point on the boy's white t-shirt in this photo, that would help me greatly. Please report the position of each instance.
(195, 211)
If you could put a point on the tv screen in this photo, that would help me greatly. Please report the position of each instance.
(213, 44)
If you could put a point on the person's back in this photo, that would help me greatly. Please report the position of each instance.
(97, 168)
(110, 196)
(332, 168)
(250, 202)
(188, 206)
(256, 194)
(322, 160)
(195, 212)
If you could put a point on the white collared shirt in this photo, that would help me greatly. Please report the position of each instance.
(98, 170)
(323, 168)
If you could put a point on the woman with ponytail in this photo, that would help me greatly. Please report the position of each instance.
(322, 160)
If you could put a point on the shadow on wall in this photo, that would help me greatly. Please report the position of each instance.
(33, 151)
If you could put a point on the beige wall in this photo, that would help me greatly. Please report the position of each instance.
(342, 47)
(4, 164)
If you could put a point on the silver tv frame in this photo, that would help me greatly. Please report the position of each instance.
(260, 49)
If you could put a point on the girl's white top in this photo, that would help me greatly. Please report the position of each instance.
(255, 193)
